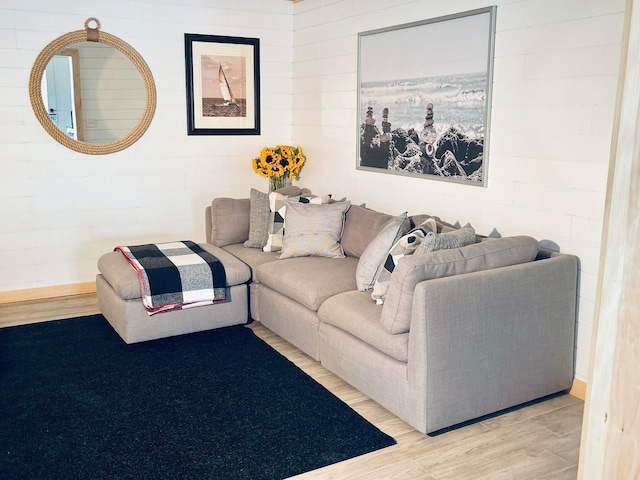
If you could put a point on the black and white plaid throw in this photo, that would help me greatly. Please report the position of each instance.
(176, 275)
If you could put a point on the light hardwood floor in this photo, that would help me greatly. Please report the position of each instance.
(540, 441)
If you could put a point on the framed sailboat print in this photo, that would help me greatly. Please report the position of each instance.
(223, 85)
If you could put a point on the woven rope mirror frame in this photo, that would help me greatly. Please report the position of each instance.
(91, 34)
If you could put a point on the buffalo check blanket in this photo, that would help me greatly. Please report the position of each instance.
(176, 275)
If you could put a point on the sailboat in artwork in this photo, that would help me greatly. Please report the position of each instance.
(227, 94)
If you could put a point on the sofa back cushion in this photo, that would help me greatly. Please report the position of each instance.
(411, 270)
(229, 221)
(361, 226)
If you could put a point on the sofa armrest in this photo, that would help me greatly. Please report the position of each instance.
(482, 256)
(485, 341)
(227, 221)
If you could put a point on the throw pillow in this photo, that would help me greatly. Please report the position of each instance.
(258, 219)
(445, 241)
(277, 211)
(314, 230)
(376, 252)
(407, 245)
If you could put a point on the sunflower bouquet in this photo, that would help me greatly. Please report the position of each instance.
(277, 163)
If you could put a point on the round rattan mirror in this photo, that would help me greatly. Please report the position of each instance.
(37, 90)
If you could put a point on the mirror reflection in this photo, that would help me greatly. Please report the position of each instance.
(97, 89)
(93, 93)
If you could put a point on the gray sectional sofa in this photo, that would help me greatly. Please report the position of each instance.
(463, 332)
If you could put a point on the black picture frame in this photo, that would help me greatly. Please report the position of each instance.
(427, 115)
(211, 61)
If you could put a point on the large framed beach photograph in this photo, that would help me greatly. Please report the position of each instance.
(424, 97)
(223, 85)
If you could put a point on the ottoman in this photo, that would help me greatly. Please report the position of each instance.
(120, 303)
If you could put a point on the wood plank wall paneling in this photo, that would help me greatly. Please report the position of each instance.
(611, 428)
(13, 296)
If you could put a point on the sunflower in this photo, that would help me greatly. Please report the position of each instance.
(260, 168)
(286, 151)
(269, 155)
(284, 163)
(279, 161)
(276, 170)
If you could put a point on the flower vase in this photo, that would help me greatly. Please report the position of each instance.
(278, 182)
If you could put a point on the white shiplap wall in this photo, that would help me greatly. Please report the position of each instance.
(60, 210)
(555, 78)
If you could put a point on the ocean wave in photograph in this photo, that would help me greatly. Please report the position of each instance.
(429, 125)
(459, 102)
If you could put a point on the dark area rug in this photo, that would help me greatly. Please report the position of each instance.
(76, 402)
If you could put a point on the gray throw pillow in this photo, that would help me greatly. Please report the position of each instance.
(258, 219)
(446, 241)
(277, 212)
(313, 229)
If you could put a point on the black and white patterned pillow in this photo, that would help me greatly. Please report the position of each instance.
(406, 245)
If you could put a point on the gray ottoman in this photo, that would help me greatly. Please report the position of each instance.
(119, 301)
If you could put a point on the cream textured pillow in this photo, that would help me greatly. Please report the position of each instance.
(374, 256)
(314, 230)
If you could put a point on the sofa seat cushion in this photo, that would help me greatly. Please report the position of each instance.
(253, 257)
(355, 313)
(117, 271)
(309, 280)
(411, 270)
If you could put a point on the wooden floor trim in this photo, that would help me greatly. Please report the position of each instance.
(47, 292)
(578, 389)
